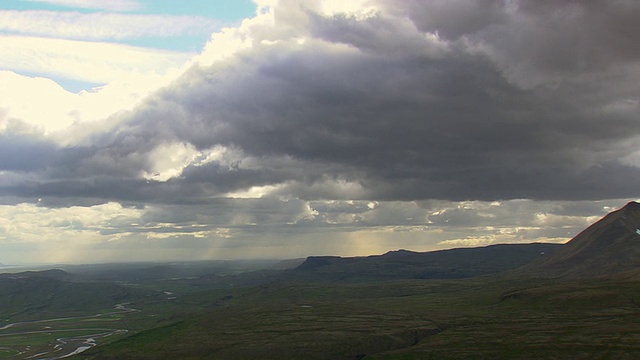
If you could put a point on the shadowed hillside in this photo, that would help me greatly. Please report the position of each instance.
(609, 246)
(403, 264)
(41, 294)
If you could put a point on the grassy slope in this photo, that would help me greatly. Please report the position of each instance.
(43, 308)
(36, 297)
(590, 319)
(475, 318)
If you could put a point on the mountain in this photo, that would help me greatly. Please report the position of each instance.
(403, 264)
(609, 246)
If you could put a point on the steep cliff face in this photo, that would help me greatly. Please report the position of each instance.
(609, 246)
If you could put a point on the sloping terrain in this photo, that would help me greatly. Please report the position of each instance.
(608, 247)
(42, 294)
(445, 319)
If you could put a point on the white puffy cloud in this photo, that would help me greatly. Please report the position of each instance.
(68, 118)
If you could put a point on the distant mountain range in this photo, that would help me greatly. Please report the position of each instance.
(403, 264)
(608, 247)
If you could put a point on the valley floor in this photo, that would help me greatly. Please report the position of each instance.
(488, 317)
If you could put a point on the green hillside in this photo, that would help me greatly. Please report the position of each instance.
(461, 319)
(36, 295)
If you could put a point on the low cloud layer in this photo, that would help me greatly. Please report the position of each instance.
(309, 116)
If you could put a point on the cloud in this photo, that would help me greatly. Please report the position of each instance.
(272, 227)
(375, 33)
(112, 5)
(445, 122)
(64, 117)
(536, 43)
(79, 60)
(398, 121)
(24, 153)
(379, 106)
(102, 26)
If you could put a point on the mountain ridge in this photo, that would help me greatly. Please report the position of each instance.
(440, 264)
(609, 246)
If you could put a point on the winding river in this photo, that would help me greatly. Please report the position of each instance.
(68, 346)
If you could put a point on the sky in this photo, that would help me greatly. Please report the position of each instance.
(146, 130)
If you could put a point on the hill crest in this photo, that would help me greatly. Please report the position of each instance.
(405, 264)
(608, 247)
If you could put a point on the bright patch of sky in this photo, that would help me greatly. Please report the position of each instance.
(175, 29)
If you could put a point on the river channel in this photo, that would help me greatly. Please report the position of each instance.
(65, 346)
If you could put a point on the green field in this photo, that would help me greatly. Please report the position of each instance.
(326, 309)
(478, 318)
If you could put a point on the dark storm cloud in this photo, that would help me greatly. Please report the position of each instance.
(421, 100)
(24, 153)
(432, 126)
(567, 38)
